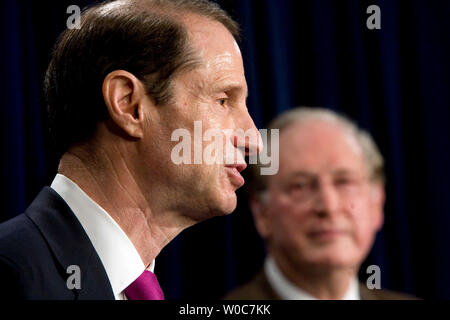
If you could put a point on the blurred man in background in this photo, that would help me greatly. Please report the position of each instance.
(319, 214)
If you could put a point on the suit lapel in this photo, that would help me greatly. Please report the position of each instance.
(367, 294)
(266, 290)
(69, 244)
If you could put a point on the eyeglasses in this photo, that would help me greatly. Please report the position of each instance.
(306, 188)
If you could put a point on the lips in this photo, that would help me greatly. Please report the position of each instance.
(234, 172)
(326, 234)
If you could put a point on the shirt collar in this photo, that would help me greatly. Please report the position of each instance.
(120, 258)
(289, 291)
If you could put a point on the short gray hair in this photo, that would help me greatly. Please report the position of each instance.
(372, 155)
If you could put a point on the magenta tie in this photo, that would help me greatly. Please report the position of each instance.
(146, 287)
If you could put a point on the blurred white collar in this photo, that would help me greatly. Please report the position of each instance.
(286, 290)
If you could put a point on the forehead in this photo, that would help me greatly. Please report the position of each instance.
(216, 47)
(319, 147)
(209, 36)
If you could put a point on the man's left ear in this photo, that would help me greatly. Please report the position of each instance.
(378, 197)
(123, 94)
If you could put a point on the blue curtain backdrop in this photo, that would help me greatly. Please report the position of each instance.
(395, 82)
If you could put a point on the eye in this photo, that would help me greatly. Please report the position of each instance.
(342, 181)
(297, 187)
(222, 101)
(346, 182)
(297, 190)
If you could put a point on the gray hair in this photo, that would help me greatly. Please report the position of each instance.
(372, 155)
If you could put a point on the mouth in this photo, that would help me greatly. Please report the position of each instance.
(234, 172)
(326, 234)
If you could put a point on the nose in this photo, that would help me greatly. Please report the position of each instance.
(327, 200)
(247, 137)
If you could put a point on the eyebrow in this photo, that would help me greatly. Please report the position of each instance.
(232, 87)
(343, 172)
(306, 174)
(301, 174)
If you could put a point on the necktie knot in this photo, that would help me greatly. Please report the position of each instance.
(145, 287)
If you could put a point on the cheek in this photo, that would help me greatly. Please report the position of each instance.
(288, 219)
(289, 209)
(364, 221)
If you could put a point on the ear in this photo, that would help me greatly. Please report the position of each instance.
(260, 217)
(378, 196)
(124, 95)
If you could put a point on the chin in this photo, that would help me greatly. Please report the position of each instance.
(224, 199)
(227, 202)
(336, 260)
(216, 207)
(228, 205)
(218, 199)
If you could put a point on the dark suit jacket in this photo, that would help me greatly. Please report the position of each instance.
(37, 247)
(259, 288)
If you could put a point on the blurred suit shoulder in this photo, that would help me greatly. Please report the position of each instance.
(383, 294)
(259, 288)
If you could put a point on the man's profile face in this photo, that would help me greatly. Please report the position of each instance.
(214, 93)
(322, 209)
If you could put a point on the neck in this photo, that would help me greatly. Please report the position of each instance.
(325, 283)
(107, 179)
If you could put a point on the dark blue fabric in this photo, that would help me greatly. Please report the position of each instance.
(394, 82)
(36, 249)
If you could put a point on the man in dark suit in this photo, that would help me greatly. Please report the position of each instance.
(117, 88)
(259, 288)
(320, 212)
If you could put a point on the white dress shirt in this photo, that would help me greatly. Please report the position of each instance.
(286, 290)
(120, 258)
